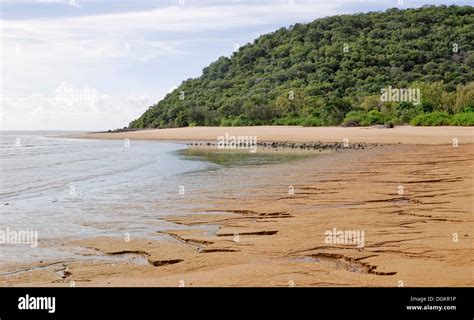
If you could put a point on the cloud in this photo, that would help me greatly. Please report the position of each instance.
(111, 51)
(102, 36)
(74, 109)
(37, 54)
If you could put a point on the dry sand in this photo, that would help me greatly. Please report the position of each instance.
(399, 134)
(422, 235)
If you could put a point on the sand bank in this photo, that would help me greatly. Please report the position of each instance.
(399, 134)
(417, 235)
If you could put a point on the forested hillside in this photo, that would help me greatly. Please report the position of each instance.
(332, 71)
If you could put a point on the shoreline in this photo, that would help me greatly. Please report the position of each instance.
(281, 237)
(372, 135)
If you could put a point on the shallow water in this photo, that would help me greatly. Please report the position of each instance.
(72, 188)
(67, 189)
(242, 157)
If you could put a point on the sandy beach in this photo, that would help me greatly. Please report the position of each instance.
(411, 198)
(399, 134)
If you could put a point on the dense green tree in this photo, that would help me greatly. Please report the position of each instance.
(333, 66)
(465, 97)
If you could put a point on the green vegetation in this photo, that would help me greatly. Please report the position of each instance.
(444, 119)
(463, 119)
(331, 72)
(364, 118)
(432, 119)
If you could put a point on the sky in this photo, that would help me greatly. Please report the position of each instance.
(98, 64)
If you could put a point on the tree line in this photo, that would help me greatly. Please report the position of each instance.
(331, 71)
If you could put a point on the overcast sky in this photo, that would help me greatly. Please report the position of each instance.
(96, 65)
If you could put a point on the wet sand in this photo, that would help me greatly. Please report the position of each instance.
(413, 201)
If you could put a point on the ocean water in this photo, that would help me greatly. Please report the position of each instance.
(66, 189)
(63, 189)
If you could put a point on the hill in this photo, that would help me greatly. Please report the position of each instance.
(333, 70)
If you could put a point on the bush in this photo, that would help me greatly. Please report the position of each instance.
(463, 119)
(405, 111)
(468, 109)
(288, 121)
(363, 118)
(225, 122)
(311, 122)
(397, 121)
(354, 118)
(432, 119)
(376, 117)
(238, 122)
